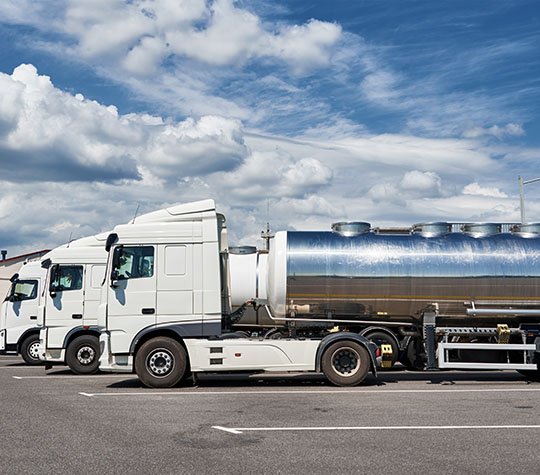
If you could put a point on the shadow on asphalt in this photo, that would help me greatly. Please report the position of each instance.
(394, 377)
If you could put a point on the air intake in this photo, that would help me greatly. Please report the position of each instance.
(243, 250)
(351, 228)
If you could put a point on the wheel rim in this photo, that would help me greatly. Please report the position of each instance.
(160, 362)
(86, 355)
(33, 350)
(345, 361)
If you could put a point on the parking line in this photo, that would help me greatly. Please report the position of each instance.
(18, 366)
(335, 392)
(241, 430)
(81, 376)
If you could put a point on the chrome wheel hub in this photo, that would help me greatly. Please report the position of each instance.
(86, 355)
(160, 362)
(33, 350)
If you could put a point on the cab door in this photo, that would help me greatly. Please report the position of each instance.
(131, 294)
(94, 274)
(64, 302)
(21, 307)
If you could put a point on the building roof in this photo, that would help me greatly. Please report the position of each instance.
(24, 256)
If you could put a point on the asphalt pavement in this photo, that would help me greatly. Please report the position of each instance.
(402, 422)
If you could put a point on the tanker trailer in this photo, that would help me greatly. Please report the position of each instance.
(421, 292)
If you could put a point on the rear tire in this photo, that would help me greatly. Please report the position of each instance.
(161, 363)
(345, 363)
(82, 354)
(29, 350)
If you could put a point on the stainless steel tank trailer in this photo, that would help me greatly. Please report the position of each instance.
(440, 294)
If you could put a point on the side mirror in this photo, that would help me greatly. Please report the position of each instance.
(14, 278)
(115, 265)
(111, 239)
(45, 264)
(114, 279)
(54, 274)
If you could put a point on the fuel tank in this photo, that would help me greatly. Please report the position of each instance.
(354, 273)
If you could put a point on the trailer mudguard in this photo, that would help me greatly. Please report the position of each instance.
(333, 337)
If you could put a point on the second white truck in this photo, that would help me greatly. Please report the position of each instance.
(68, 310)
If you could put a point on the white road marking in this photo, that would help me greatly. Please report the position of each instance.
(17, 367)
(80, 376)
(225, 429)
(335, 392)
(241, 430)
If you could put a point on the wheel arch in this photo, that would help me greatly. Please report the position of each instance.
(347, 336)
(176, 332)
(80, 331)
(373, 329)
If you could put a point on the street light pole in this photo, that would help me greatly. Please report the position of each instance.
(521, 196)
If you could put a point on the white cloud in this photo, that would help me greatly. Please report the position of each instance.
(54, 135)
(475, 189)
(276, 174)
(143, 32)
(495, 130)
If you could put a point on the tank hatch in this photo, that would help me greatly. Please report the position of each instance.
(431, 229)
(481, 229)
(526, 230)
(351, 228)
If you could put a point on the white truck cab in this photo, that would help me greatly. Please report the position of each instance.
(68, 312)
(19, 330)
(166, 310)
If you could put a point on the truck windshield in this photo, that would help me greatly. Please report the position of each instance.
(23, 290)
(135, 262)
(67, 278)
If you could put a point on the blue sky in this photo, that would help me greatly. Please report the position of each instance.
(387, 111)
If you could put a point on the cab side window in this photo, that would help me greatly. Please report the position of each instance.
(134, 262)
(24, 290)
(66, 278)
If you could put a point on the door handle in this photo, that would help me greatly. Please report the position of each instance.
(76, 315)
(148, 311)
(33, 317)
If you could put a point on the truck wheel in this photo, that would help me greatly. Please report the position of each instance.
(345, 363)
(381, 338)
(82, 354)
(29, 350)
(161, 363)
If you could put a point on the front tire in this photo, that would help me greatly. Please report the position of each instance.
(161, 363)
(82, 354)
(345, 363)
(29, 350)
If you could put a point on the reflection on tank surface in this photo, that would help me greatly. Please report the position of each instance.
(398, 276)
